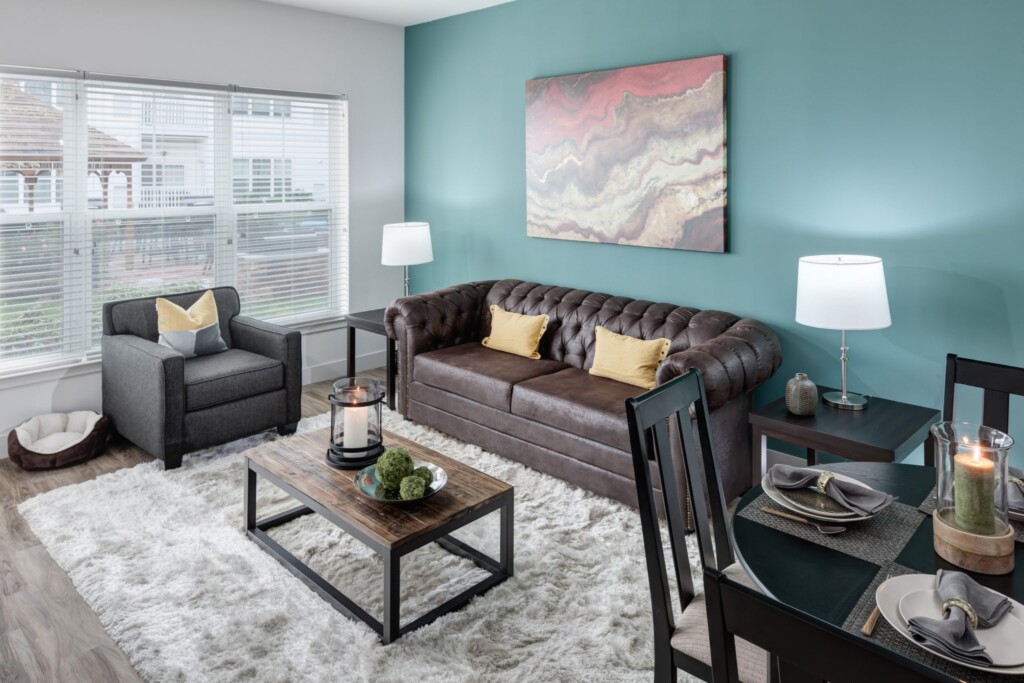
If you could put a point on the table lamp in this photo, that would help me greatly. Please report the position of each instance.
(842, 293)
(406, 244)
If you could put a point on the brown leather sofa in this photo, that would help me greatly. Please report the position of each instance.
(551, 414)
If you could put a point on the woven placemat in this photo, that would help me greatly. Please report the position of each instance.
(888, 637)
(928, 507)
(879, 540)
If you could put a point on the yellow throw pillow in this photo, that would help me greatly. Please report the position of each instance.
(515, 333)
(627, 359)
(195, 332)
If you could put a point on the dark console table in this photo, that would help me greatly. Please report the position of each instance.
(885, 431)
(373, 321)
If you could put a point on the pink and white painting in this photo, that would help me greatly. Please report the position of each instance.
(629, 156)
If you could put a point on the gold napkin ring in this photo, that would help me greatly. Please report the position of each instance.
(972, 616)
(823, 479)
(1017, 481)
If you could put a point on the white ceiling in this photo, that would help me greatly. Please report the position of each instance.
(398, 12)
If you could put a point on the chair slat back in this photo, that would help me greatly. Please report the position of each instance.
(653, 419)
(997, 382)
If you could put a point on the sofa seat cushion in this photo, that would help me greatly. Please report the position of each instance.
(229, 376)
(578, 402)
(479, 373)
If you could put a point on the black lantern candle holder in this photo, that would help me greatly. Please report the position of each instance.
(356, 435)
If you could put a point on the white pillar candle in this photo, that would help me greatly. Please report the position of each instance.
(355, 427)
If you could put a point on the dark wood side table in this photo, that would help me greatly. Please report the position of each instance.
(885, 431)
(373, 321)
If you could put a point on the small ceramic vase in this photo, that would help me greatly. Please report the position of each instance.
(801, 395)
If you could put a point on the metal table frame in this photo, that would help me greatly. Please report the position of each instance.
(391, 628)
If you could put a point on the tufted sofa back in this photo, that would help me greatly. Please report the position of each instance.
(574, 313)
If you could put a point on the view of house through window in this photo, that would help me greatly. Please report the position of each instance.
(115, 189)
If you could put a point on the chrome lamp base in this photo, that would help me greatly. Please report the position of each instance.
(848, 402)
(843, 399)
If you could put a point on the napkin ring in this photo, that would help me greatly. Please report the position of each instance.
(1016, 481)
(950, 603)
(823, 479)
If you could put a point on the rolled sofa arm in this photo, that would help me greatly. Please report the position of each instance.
(144, 394)
(277, 342)
(736, 361)
(431, 321)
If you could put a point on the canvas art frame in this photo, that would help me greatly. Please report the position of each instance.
(634, 156)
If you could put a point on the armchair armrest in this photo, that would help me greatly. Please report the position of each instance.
(277, 342)
(144, 394)
(431, 321)
(736, 361)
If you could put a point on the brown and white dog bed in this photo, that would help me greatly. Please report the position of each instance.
(58, 439)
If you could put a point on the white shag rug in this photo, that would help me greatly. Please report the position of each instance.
(162, 560)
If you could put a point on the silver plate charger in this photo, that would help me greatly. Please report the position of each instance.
(780, 497)
(891, 592)
(369, 485)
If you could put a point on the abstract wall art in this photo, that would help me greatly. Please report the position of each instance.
(629, 156)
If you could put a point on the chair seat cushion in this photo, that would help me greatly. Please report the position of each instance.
(479, 373)
(578, 402)
(229, 376)
(691, 635)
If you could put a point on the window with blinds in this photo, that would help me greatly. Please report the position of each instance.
(112, 188)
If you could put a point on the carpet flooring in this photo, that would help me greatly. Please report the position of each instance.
(162, 560)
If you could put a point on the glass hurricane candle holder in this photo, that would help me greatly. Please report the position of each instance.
(356, 435)
(971, 520)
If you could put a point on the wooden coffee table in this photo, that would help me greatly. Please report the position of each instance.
(296, 465)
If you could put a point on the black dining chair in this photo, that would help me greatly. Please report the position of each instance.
(696, 642)
(997, 382)
(732, 625)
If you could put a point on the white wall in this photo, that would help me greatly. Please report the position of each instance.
(248, 43)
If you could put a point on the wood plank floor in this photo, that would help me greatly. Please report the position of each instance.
(47, 631)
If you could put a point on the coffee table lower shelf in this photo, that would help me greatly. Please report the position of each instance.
(390, 629)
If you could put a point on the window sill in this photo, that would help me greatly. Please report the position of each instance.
(59, 372)
(49, 374)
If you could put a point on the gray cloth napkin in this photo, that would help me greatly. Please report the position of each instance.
(953, 634)
(853, 497)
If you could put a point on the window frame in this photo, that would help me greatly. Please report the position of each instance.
(68, 187)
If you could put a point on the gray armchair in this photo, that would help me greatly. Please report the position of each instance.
(169, 406)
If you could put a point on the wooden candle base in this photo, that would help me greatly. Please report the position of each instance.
(981, 554)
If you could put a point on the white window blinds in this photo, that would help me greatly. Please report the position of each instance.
(113, 188)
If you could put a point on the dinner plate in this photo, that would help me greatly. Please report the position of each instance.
(1003, 642)
(790, 505)
(891, 592)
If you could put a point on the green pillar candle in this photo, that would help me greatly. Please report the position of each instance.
(974, 486)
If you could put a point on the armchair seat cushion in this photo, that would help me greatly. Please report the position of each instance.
(479, 373)
(578, 402)
(229, 376)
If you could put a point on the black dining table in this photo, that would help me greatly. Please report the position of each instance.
(832, 579)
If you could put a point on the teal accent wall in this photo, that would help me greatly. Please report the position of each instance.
(886, 127)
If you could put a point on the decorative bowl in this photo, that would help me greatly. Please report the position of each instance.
(367, 483)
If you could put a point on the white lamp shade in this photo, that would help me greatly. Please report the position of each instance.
(406, 244)
(842, 293)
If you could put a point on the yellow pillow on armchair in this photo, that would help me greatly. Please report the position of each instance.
(627, 359)
(515, 333)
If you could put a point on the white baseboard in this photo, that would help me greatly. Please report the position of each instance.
(339, 368)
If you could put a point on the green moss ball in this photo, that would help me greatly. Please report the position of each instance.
(412, 488)
(393, 466)
(424, 473)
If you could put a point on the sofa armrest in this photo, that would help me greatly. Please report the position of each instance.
(733, 363)
(431, 321)
(144, 394)
(277, 342)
